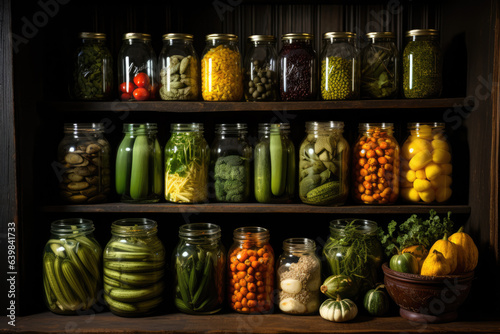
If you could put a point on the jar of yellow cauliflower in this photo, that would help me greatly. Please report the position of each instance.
(426, 166)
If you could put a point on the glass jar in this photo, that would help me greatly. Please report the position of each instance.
(375, 165)
(139, 168)
(179, 68)
(231, 155)
(298, 74)
(251, 271)
(134, 267)
(299, 277)
(93, 68)
(187, 159)
(199, 269)
(353, 250)
(260, 66)
(426, 164)
(324, 164)
(71, 267)
(380, 66)
(83, 157)
(422, 64)
(274, 164)
(340, 66)
(137, 68)
(221, 74)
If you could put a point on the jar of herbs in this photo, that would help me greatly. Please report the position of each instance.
(422, 64)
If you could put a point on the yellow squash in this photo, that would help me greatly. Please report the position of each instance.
(435, 264)
(449, 251)
(467, 252)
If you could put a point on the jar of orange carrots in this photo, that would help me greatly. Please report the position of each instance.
(376, 165)
(251, 271)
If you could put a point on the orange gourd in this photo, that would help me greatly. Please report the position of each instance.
(467, 252)
(419, 251)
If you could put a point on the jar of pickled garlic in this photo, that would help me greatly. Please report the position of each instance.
(426, 165)
(375, 165)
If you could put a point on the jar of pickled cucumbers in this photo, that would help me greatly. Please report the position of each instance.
(72, 278)
(426, 164)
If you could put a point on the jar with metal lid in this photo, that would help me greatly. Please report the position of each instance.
(251, 271)
(380, 66)
(375, 165)
(298, 74)
(231, 158)
(274, 164)
(340, 66)
(324, 164)
(422, 64)
(221, 74)
(299, 277)
(187, 160)
(260, 69)
(179, 68)
(199, 269)
(92, 77)
(139, 167)
(71, 270)
(137, 68)
(426, 164)
(84, 164)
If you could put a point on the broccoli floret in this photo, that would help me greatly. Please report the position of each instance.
(219, 190)
(233, 160)
(230, 179)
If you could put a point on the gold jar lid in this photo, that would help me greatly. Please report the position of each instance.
(338, 34)
(225, 37)
(177, 36)
(422, 32)
(261, 38)
(92, 35)
(295, 35)
(381, 34)
(137, 35)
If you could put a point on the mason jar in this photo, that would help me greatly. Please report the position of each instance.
(187, 160)
(260, 68)
(274, 164)
(340, 66)
(139, 167)
(178, 65)
(422, 64)
(221, 74)
(231, 161)
(375, 165)
(134, 268)
(199, 265)
(380, 66)
(324, 164)
(426, 164)
(251, 271)
(71, 270)
(137, 68)
(84, 164)
(299, 277)
(92, 77)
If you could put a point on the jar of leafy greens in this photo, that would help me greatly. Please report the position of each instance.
(340, 66)
(324, 164)
(199, 269)
(231, 156)
(380, 66)
(354, 250)
(139, 167)
(422, 64)
(274, 164)
(187, 159)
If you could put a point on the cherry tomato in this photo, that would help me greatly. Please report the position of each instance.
(141, 94)
(126, 96)
(127, 88)
(141, 79)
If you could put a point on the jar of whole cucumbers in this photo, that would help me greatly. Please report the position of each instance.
(324, 164)
(231, 158)
(72, 278)
(251, 271)
(179, 68)
(426, 164)
(134, 267)
(187, 160)
(274, 164)
(139, 167)
(199, 269)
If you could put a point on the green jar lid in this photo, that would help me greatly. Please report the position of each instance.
(422, 32)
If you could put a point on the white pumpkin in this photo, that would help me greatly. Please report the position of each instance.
(339, 310)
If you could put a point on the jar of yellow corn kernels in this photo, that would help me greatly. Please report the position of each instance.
(426, 164)
(221, 73)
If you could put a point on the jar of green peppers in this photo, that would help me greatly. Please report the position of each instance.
(422, 64)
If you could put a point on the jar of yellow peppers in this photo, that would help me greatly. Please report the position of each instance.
(221, 73)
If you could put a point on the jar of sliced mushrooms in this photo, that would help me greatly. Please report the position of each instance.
(84, 165)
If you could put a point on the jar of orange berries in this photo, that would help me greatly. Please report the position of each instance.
(251, 271)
